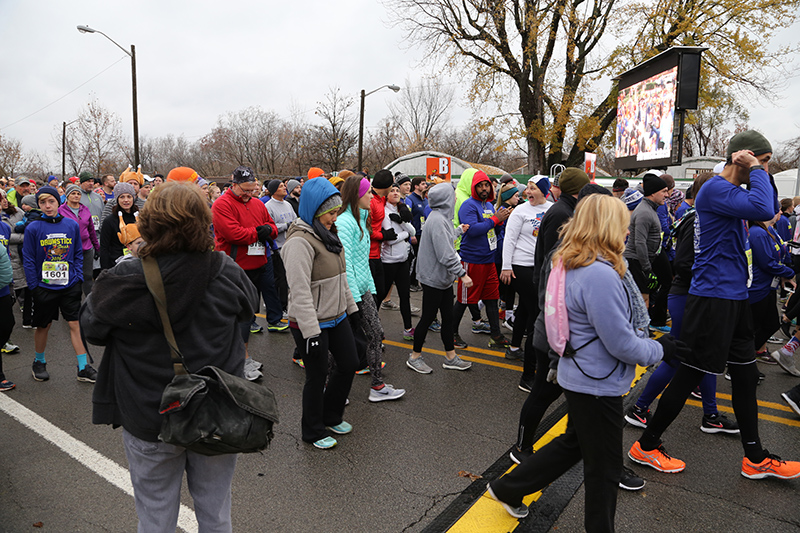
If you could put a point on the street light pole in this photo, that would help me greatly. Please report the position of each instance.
(132, 55)
(395, 88)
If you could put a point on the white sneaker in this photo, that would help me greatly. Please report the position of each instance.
(251, 369)
(456, 363)
(786, 362)
(386, 393)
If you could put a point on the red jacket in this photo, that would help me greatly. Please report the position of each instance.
(235, 225)
(377, 212)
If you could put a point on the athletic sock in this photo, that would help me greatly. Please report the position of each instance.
(81, 361)
(40, 357)
(379, 387)
(791, 346)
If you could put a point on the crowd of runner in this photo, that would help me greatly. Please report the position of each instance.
(599, 274)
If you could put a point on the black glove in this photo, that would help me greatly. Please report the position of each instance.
(394, 217)
(313, 346)
(97, 253)
(682, 350)
(389, 234)
(652, 281)
(264, 232)
(670, 345)
(405, 212)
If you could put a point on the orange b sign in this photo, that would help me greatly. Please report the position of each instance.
(439, 166)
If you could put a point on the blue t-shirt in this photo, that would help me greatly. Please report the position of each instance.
(721, 248)
(417, 206)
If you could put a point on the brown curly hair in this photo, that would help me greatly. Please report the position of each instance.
(175, 218)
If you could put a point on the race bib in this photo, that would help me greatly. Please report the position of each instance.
(257, 248)
(96, 222)
(749, 255)
(421, 222)
(492, 236)
(55, 272)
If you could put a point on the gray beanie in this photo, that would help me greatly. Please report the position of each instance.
(124, 188)
(72, 188)
(291, 185)
(30, 201)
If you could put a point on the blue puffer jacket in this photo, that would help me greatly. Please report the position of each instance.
(356, 252)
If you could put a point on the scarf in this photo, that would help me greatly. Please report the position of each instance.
(328, 236)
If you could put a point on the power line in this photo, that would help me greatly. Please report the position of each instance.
(62, 97)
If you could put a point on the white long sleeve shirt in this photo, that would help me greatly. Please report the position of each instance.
(522, 230)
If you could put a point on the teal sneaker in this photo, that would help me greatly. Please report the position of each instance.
(326, 443)
(341, 429)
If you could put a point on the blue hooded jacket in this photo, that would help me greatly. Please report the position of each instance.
(315, 192)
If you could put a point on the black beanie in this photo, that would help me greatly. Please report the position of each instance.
(593, 188)
(383, 179)
(272, 186)
(749, 140)
(652, 184)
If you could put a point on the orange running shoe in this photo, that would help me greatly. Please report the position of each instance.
(657, 459)
(772, 466)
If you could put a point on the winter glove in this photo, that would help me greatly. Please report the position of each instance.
(97, 253)
(313, 346)
(670, 346)
(389, 234)
(552, 376)
(394, 217)
(652, 281)
(405, 212)
(264, 232)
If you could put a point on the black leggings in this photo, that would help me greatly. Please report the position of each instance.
(6, 325)
(398, 274)
(492, 313)
(658, 299)
(434, 300)
(528, 308)
(542, 395)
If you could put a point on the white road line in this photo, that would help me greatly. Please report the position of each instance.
(88, 457)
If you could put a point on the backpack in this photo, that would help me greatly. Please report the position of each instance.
(555, 309)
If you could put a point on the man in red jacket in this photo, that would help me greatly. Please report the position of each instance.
(242, 228)
(381, 184)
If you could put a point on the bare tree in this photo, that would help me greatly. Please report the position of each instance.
(421, 112)
(10, 156)
(95, 142)
(335, 139)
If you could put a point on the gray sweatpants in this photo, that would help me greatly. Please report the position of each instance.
(156, 473)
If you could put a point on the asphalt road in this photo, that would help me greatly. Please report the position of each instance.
(398, 470)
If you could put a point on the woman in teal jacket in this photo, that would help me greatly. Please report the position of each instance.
(353, 227)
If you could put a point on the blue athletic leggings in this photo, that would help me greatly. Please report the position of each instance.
(664, 373)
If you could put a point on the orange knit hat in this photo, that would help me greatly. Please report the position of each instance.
(183, 174)
(315, 172)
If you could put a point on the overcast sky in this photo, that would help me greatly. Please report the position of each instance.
(197, 60)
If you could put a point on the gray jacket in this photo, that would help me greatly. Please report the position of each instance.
(438, 264)
(645, 238)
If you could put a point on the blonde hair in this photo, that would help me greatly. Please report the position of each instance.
(597, 231)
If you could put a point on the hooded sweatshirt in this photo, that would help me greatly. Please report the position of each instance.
(52, 253)
(463, 192)
(479, 243)
(438, 264)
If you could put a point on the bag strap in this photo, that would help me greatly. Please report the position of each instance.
(155, 284)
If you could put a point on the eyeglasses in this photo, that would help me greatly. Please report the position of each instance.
(252, 190)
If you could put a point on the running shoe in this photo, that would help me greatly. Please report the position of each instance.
(697, 394)
(514, 354)
(298, 362)
(325, 444)
(518, 455)
(415, 288)
(508, 323)
(636, 416)
(786, 329)
(365, 370)
(418, 365)
(786, 362)
(775, 340)
(629, 480)
(481, 327)
(498, 342)
(87, 375)
(516, 512)
(435, 326)
(766, 358)
(39, 371)
(719, 423)
(26, 326)
(10, 348)
(389, 305)
(792, 397)
(525, 386)
(387, 392)
(408, 334)
(278, 327)
(662, 329)
(341, 429)
(252, 369)
(415, 311)
(772, 466)
(458, 342)
(456, 363)
(6, 385)
(255, 327)
(657, 459)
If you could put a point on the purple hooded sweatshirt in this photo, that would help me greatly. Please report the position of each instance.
(84, 220)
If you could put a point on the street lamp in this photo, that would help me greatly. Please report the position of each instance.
(132, 54)
(395, 88)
